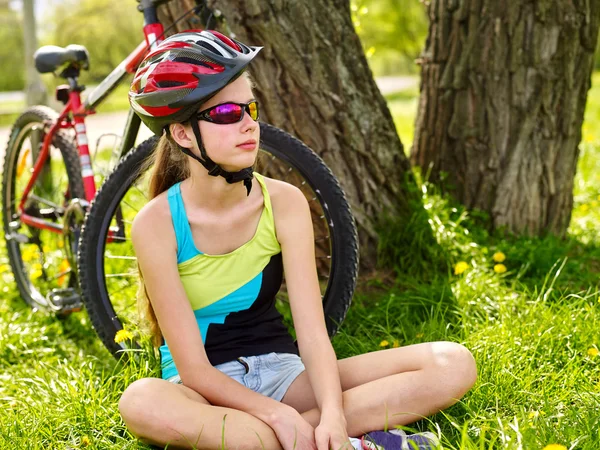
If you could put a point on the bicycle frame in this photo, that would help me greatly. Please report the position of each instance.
(153, 32)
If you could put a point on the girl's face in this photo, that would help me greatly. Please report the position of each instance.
(232, 146)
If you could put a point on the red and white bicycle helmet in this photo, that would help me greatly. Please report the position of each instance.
(184, 71)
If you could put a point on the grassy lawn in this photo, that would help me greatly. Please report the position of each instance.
(534, 330)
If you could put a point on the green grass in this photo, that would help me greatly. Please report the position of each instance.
(533, 330)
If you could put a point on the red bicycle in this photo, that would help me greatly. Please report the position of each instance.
(69, 245)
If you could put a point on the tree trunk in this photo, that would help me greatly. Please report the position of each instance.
(35, 91)
(503, 93)
(313, 81)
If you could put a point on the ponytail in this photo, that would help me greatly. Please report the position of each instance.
(171, 166)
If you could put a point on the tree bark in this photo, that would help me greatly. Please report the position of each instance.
(503, 92)
(313, 81)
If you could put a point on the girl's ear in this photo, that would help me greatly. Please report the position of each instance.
(181, 134)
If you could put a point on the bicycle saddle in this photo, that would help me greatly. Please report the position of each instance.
(50, 57)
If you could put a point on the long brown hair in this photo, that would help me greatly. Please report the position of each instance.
(170, 167)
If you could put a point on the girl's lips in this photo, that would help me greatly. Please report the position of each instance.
(249, 145)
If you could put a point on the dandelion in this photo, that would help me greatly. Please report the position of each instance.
(29, 254)
(36, 271)
(384, 343)
(593, 352)
(64, 268)
(499, 257)
(396, 344)
(123, 335)
(85, 441)
(555, 447)
(22, 163)
(460, 267)
(499, 268)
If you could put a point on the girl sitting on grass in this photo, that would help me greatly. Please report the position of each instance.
(212, 245)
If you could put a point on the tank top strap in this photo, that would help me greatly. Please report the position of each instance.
(183, 233)
(270, 223)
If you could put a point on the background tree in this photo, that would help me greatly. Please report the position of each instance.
(503, 94)
(392, 33)
(111, 31)
(313, 80)
(12, 70)
(35, 92)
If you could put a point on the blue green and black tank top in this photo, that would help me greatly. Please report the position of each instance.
(232, 295)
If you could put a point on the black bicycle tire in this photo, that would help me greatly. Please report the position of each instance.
(35, 114)
(344, 241)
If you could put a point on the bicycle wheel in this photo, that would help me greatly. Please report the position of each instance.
(108, 266)
(41, 260)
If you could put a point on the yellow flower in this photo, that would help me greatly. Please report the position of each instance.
(384, 343)
(584, 208)
(23, 162)
(29, 254)
(396, 344)
(499, 257)
(499, 268)
(123, 335)
(592, 351)
(555, 447)
(85, 441)
(533, 414)
(419, 335)
(63, 268)
(460, 267)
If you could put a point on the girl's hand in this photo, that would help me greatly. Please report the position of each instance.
(331, 433)
(293, 431)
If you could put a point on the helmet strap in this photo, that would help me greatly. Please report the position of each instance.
(213, 168)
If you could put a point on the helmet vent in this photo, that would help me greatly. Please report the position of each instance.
(206, 45)
(169, 84)
(197, 62)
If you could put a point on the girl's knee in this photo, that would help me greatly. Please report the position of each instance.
(456, 364)
(136, 402)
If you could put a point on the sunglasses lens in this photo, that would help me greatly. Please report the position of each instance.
(227, 113)
(253, 110)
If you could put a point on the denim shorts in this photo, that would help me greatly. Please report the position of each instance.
(271, 374)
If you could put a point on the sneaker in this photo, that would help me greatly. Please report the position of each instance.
(399, 440)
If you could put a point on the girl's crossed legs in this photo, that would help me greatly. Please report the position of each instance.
(385, 388)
